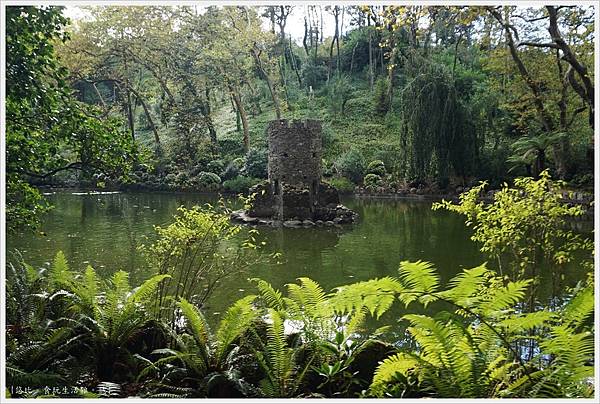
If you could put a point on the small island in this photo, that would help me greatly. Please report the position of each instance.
(294, 194)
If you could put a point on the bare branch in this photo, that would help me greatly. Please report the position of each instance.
(539, 45)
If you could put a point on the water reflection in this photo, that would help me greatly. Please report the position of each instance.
(107, 229)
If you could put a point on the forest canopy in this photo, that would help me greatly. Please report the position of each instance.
(178, 97)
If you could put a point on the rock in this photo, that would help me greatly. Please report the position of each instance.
(413, 190)
(329, 223)
(292, 223)
(308, 223)
(250, 219)
(369, 357)
(319, 223)
(337, 220)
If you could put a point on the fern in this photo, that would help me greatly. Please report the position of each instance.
(272, 297)
(195, 322)
(466, 286)
(420, 280)
(376, 296)
(504, 297)
(283, 375)
(579, 308)
(60, 276)
(236, 321)
(399, 367)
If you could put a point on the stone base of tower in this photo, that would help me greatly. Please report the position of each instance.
(295, 206)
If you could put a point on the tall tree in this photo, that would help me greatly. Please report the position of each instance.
(47, 130)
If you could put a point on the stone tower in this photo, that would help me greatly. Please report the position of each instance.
(294, 194)
(295, 166)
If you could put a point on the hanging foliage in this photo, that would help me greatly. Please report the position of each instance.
(439, 127)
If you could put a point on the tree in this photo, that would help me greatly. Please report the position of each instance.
(47, 130)
(540, 99)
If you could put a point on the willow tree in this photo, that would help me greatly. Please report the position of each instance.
(438, 129)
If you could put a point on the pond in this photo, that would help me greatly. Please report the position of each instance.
(105, 230)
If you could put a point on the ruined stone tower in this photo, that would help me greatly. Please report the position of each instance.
(295, 166)
(294, 193)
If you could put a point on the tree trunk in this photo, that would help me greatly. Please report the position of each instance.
(370, 60)
(562, 150)
(544, 117)
(352, 57)
(282, 75)
(207, 114)
(391, 69)
(304, 43)
(293, 63)
(269, 82)
(242, 113)
(336, 14)
(147, 112)
(128, 95)
(569, 56)
(130, 112)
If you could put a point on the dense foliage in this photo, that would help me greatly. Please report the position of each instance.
(443, 96)
(47, 130)
(309, 343)
(418, 99)
(524, 229)
(483, 334)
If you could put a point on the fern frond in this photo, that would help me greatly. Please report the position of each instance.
(237, 319)
(389, 370)
(146, 290)
(60, 276)
(272, 297)
(520, 323)
(420, 279)
(504, 297)
(375, 295)
(466, 286)
(195, 321)
(579, 308)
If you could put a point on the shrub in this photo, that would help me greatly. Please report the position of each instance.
(169, 179)
(342, 184)
(524, 228)
(181, 178)
(328, 137)
(359, 107)
(233, 169)
(230, 146)
(381, 101)
(255, 164)
(207, 180)
(314, 75)
(351, 165)
(215, 166)
(376, 167)
(240, 184)
(373, 181)
(199, 244)
(339, 92)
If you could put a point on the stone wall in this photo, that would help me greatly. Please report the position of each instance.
(295, 149)
(295, 152)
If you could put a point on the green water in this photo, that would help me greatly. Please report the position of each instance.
(105, 231)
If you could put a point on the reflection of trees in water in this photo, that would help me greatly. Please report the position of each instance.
(409, 230)
(301, 244)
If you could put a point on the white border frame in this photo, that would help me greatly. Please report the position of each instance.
(75, 3)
